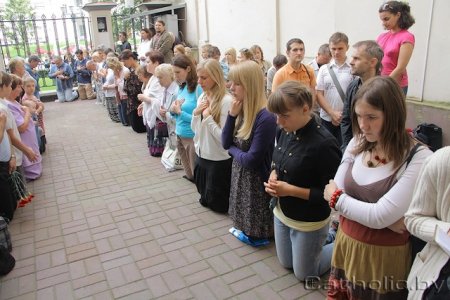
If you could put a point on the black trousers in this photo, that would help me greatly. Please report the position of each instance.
(7, 202)
(334, 130)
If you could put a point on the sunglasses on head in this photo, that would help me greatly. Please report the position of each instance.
(386, 7)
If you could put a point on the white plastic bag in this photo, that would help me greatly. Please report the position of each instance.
(170, 158)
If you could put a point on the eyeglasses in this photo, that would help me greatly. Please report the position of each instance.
(244, 50)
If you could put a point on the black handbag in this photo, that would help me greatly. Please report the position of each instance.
(429, 134)
(440, 290)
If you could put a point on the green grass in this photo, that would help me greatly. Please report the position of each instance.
(49, 83)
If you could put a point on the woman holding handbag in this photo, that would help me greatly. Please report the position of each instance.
(166, 124)
(213, 165)
(181, 111)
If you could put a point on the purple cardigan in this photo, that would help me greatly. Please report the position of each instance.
(259, 156)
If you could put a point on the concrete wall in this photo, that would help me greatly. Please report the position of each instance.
(271, 23)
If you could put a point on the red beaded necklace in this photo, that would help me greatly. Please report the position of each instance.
(378, 160)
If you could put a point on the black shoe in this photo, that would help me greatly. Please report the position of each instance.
(190, 179)
(7, 261)
(203, 203)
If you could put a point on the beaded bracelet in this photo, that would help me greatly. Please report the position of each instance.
(335, 197)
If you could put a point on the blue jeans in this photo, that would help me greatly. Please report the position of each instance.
(122, 108)
(303, 251)
(67, 95)
(405, 90)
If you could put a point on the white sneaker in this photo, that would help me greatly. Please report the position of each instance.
(58, 101)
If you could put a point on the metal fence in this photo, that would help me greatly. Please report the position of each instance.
(44, 37)
(131, 26)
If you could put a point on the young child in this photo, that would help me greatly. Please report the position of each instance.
(33, 110)
(29, 85)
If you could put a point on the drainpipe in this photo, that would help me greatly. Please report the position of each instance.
(206, 21)
(277, 26)
(426, 52)
(197, 23)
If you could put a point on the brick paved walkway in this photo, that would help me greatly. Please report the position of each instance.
(108, 222)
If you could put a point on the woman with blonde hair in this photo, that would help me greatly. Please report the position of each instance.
(213, 165)
(114, 69)
(179, 49)
(230, 57)
(249, 135)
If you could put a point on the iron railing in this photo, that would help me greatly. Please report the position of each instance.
(45, 37)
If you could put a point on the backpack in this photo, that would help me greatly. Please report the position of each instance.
(5, 238)
(429, 134)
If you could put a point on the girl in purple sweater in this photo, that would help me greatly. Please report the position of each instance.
(249, 135)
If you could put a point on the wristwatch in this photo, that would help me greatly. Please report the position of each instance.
(13, 156)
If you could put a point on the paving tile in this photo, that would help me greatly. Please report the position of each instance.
(157, 286)
(246, 284)
(91, 290)
(108, 222)
(130, 289)
(179, 295)
(201, 291)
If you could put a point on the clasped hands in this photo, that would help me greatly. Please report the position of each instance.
(275, 187)
(176, 106)
(203, 108)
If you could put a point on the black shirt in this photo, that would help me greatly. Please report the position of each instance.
(346, 123)
(308, 158)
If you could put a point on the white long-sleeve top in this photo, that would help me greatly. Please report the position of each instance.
(110, 84)
(392, 205)
(154, 91)
(120, 80)
(430, 208)
(208, 134)
(168, 96)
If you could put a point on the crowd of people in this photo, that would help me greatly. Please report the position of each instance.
(277, 146)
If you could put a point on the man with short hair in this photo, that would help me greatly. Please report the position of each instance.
(63, 74)
(84, 77)
(332, 82)
(365, 63)
(278, 62)
(323, 57)
(30, 67)
(122, 43)
(162, 41)
(295, 69)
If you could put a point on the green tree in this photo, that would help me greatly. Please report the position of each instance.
(19, 12)
(120, 14)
